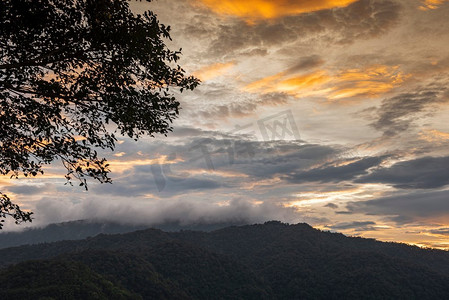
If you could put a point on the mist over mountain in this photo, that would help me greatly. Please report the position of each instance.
(81, 229)
(263, 261)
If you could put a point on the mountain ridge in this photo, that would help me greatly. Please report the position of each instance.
(81, 229)
(260, 261)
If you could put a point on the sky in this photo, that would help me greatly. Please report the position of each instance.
(328, 112)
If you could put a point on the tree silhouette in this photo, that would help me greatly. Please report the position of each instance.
(73, 73)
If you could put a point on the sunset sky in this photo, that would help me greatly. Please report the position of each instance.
(333, 113)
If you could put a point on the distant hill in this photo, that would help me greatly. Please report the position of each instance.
(81, 229)
(57, 279)
(263, 261)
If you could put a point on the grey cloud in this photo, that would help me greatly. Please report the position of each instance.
(396, 114)
(360, 20)
(232, 152)
(237, 105)
(187, 131)
(27, 189)
(440, 231)
(305, 63)
(258, 159)
(285, 159)
(421, 173)
(337, 173)
(343, 212)
(331, 205)
(142, 180)
(148, 212)
(358, 226)
(406, 208)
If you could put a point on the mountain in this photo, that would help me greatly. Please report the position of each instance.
(58, 280)
(263, 261)
(81, 229)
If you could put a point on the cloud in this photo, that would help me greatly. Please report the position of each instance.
(434, 136)
(397, 114)
(257, 159)
(213, 71)
(440, 231)
(149, 212)
(264, 9)
(27, 189)
(431, 4)
(338, 173)
(299, 85)
(331, 205)
(371, 81)
(363, 19)
(196, 161)
(407, 208)
(420, 173)
(306, 63)
(225, 101)
(356, 225)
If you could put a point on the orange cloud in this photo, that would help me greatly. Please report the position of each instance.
(120, 154)
(299, 85)
(320, 197)
(122, 165)
(253, 10)
(434, 136)
(431, 4)
(369, 82)
(213, 71)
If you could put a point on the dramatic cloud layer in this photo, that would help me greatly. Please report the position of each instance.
(264, 9)
(407, 208)
(327, 112)
(421, 173)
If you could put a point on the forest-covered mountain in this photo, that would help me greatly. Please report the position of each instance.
(265, 261)
(81, 229)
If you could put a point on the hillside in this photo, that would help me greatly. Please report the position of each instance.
(57, 280)
(266, 261)
(81, 229)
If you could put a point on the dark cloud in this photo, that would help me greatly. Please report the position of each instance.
(277, 160)
(155, 179)
(212, 161)
(440, 231)
(348, 171)
(358, 226)
(235, 106)
(360, 20)
(331, 205)
(396, 114)
(306, 63)
(421, 173)
(27, 189)
(185, 211)
(406, 208)
(256, 159)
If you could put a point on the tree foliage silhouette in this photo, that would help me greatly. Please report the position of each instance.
(73, 74)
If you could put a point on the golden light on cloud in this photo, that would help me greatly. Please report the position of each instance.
(213, 71)
(220, 173)
(322, 197)
(254, 10)
(298, 85)
(122, 165)
(303, 82)
(371, 81)
(434, 136)
(431, 4)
